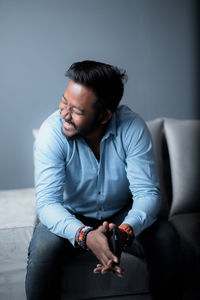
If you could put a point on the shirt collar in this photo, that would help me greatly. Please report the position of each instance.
(112, 127)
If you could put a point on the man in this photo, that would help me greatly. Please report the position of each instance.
(94, 172)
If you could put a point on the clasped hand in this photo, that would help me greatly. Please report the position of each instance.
(97, 242)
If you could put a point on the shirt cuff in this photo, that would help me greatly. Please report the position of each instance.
(71, 230)
(135, 224)
(139, 223)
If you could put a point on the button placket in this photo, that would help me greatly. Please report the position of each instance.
(93, 159)
(100, 193)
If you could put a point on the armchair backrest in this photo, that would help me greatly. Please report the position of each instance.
(177, 150)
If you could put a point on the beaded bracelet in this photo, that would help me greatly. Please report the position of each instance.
(126, 228)
(81, 236)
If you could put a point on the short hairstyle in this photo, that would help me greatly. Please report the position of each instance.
(106, 81)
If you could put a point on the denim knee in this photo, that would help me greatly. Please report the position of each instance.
(45, 246)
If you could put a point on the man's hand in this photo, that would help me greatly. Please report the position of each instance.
(98, 243)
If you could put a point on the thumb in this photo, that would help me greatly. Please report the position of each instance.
(105, 226)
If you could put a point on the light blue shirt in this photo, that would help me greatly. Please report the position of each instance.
(69, 179)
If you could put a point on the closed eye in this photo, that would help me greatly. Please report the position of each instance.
(77, 112)
(64, 101)
(74, 109)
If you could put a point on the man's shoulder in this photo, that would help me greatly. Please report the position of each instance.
(51, 128)
(54, 120)
(126, 117)
(131, 128)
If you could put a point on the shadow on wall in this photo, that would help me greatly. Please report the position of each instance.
(197, 83)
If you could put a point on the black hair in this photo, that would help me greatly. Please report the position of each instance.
(106, 81)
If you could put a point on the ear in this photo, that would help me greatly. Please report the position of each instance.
(106, 115)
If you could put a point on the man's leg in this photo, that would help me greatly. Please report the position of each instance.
(160, 246)
(44, 269)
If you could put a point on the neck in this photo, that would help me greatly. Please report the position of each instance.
(94, 138)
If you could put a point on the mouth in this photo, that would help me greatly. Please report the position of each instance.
(68, 125)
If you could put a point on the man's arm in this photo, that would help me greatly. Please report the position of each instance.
(49, 162)
(143, 182)
(142, 175)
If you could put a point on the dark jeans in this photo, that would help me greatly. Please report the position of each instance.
(158, 245)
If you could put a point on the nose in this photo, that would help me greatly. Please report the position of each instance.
(66, 113)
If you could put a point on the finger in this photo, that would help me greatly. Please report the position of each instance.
(110, 263)
(105, 270)
(97, 270)
(105, 258)
(118, 270)
(112, 226)
(105, 225)
(114, 269)
(111, 266)
(101, 269)
(110, 256)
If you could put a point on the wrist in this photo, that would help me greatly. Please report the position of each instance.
(81, 236)
(76, 236)
(129, 233)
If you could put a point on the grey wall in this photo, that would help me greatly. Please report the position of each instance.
(154, 40)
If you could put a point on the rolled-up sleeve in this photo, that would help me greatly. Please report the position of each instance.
(142, 176)
(49, 163)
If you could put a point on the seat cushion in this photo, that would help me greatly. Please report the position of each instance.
(17, 211)
(79, 279)
(188, 228)
(17, 208)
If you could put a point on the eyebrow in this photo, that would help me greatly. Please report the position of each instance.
(74, 106)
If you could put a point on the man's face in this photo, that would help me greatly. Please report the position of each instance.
(77, 110)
